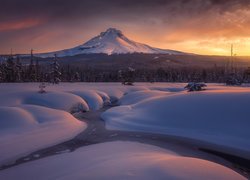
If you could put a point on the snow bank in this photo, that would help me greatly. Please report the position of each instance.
(14, 117)
(28, 128)
(93, 99)
(220, 117)
(57, 100)
(119, 160)
(66, 96)
(105, 98)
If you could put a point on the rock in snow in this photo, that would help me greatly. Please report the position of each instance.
(112, 41)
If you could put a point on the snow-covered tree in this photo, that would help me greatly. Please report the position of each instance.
(55, 72)
(195, 86)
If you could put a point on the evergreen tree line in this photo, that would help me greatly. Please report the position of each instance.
(12, 70)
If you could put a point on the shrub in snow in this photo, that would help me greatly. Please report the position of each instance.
(42, 86)
(195, 86)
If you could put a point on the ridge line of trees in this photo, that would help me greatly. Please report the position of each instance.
(12, 70)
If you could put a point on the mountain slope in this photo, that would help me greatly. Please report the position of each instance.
(110, 42)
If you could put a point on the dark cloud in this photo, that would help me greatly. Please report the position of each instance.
(80, 9)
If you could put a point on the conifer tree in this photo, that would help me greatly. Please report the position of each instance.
(9, 69)
(1, 73)
(55, 72)
(18, 69)
(32, 70)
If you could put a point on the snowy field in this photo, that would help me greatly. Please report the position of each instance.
(30, 121)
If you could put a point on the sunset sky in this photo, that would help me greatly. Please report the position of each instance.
(195, 26)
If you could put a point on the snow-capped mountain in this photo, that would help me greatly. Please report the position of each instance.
(112, 41)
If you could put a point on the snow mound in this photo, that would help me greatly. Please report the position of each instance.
(14, 117)
(28, 128)
(212, 116)
(106, 99)
(138, 96)
(93, 99)
(120, 160)
(117, 91)
(57, 100)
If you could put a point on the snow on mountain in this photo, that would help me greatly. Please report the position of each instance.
(112, 41)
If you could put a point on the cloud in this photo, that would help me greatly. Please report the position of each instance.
(17, 25)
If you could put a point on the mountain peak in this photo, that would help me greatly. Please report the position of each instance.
(112, 31)
(111, 41)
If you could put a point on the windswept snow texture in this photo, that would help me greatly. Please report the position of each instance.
(219, 115)
(110, 42)
(120, 160)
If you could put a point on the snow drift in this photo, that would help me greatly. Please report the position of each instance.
(57, 100)
(120, 160)
(28, 128)
(215, 116)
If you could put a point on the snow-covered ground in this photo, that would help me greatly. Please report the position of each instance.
(30, 121)
(120, 160)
